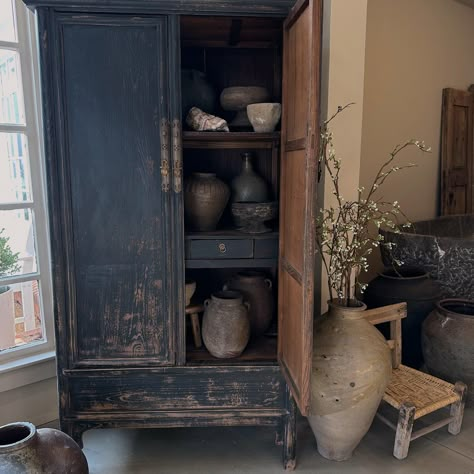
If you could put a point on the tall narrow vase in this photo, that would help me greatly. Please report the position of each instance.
(351, 370)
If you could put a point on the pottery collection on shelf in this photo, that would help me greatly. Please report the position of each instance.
(26, 450)
(264, 116)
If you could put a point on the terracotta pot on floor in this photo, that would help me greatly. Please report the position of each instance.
(26, 450)
(351, 369)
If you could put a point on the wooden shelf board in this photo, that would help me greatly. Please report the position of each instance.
(236, 140)
(261, 350)
(229, 234)
(233, 263)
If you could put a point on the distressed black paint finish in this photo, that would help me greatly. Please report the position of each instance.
(117, 239)
(274, 8)
(114, 97)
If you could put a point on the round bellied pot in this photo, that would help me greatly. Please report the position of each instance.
(26, 450)
(248, 186)
(225, 324)
(351, 370)
(257, 290)
(447, 339)
(414, 286)
(205, 198)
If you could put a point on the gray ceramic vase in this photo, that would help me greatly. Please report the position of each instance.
(351, 370)
(248, 186)
(205, 198)
(447, 341)
(26, 450)
(225, 324)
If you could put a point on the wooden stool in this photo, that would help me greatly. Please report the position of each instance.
(413, 393)
(193, 310)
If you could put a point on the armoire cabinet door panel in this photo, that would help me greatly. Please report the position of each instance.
(115, 96)
(299, 162)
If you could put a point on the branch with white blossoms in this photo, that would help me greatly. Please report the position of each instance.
(343, 235)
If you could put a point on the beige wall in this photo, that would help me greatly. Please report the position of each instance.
(414, 49)
(344, 32)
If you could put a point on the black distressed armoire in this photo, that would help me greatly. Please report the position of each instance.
(117, 154)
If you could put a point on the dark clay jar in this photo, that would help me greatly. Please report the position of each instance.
(415, 287)
(448, 348)
(26, 450)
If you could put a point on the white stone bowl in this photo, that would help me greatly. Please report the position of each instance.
(264, 116)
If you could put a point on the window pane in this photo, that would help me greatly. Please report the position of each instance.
(7, 22)
(11, 93)
(21, 321)
(15, 184)
(17, 243)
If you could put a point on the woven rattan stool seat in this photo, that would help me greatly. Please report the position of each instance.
(425, 392)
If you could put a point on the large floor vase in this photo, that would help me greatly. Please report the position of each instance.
(447, 340)
(26, 450)
(351, 370)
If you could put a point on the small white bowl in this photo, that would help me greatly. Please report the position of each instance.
(264, 116)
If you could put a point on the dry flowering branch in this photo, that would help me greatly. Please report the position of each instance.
(343, 232)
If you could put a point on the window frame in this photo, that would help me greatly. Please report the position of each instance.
(26, 45)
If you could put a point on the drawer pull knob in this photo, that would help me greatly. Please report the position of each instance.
(222, 248)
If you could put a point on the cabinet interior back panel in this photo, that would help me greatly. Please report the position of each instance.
(113, 109)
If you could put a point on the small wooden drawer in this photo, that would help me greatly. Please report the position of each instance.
(219, 248)
(266, 248)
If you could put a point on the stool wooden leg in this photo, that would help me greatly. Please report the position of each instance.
(457, 409)
(196, 329)
(406, 418)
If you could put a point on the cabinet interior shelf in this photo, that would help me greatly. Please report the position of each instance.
(230, 234)
(259, 351)
(230, 140)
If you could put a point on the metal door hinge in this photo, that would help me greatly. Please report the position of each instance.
(165, 155)
(177, 157)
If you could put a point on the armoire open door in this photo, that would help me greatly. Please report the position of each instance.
(299, 164)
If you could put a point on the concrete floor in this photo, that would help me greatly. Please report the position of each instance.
(252, 451)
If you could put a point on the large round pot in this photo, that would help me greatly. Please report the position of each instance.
(25, 450)
(447, 338)
(257, 290)
(351, 370)
(197, 92)
(225, 324)
(414, 286)
(248, 186)
(205, 198)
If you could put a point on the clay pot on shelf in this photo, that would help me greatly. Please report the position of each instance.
(205, 198)
(414, 286)
(264, 117)
(257, 290)
(351, 370)
(197, 91)
(447, 341)
(248, 186)
(24, 449)
(236, 99)
(225, 324)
